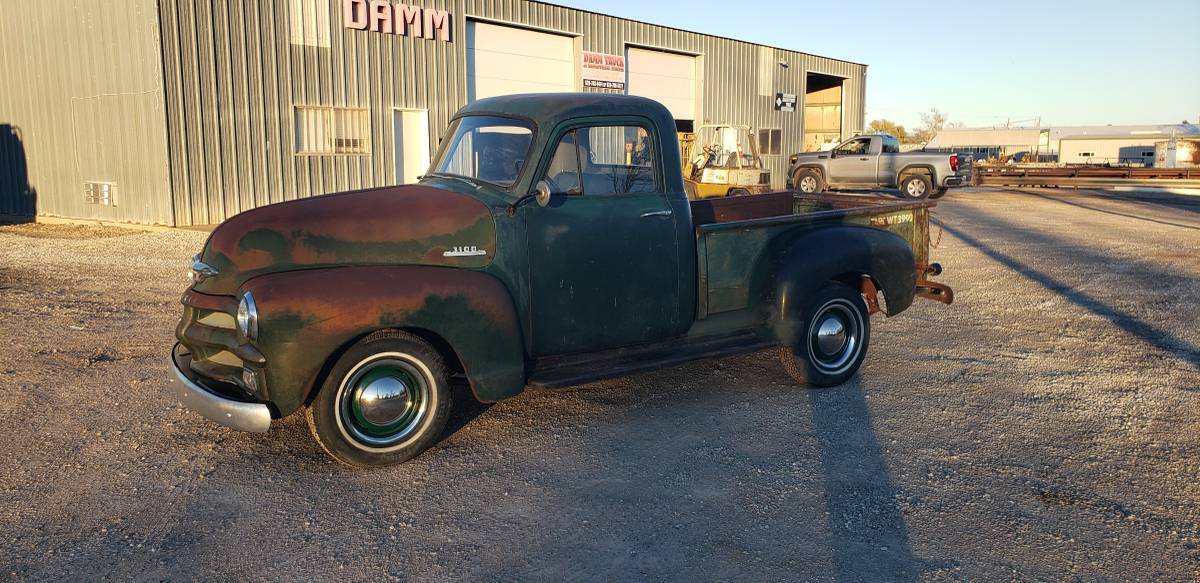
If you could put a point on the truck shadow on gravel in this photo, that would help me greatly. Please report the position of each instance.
(1113, 212)
(1061, 252)
(869, 537)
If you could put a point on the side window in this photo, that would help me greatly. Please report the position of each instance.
(616, 160)
(891, 146)
(563, 172)
(854, 147)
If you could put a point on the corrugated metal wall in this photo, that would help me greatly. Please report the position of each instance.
(233, 78)
(81, 100)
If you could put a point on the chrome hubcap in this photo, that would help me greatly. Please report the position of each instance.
(916, 188)
(808, 184)
(835, 336)
(831, 335)
(384, 400)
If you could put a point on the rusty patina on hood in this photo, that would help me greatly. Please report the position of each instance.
(397, 225)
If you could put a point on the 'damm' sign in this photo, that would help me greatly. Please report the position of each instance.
(401, 19)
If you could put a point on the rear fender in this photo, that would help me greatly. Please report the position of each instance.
(917, 169)
(809, 262)
(306, 317)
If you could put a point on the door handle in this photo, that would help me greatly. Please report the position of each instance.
(656, 214)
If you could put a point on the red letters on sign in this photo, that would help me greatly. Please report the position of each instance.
(354, 14)
(401, 19)
(381, 16)
(409, 20)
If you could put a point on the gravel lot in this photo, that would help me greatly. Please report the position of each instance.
(1044, 427)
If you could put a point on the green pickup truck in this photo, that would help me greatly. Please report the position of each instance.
(550, 244)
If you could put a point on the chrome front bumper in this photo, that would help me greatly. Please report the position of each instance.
(240, 415)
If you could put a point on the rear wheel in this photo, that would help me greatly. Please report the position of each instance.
(808, 182)
(834, 329)
(916, 186)
(385, 401)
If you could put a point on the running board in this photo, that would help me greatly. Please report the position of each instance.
(565, 371)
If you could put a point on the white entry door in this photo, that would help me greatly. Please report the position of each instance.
(412, 144)
(504, 60)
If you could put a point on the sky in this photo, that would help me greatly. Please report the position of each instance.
(982, 63)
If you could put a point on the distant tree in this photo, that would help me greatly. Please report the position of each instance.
(932, 122)
(887, 126)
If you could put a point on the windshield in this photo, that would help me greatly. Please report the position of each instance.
(486, 148)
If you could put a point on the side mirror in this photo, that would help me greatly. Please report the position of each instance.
(541, 193)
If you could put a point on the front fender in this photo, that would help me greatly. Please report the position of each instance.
(306, 317)
(807, 263)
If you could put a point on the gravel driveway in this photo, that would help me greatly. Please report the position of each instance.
(1044, 427)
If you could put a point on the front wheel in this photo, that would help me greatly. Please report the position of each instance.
(808, 182)
(916, 187)
(832, 337)
(385, 401)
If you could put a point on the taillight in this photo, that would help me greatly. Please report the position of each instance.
(954, 162)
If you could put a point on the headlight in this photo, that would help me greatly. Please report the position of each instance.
(247, 316)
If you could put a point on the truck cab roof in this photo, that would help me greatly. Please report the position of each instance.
(550, 109)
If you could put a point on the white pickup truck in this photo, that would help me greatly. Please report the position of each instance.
(872, 162)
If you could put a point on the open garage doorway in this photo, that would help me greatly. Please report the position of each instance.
(822, 112)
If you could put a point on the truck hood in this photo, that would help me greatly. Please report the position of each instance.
(396, 225)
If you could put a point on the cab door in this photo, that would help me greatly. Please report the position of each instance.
(603, 255)
(853, 163)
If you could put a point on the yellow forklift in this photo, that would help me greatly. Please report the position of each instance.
(728, 166)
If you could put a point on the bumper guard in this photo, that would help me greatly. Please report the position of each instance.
(191, 392)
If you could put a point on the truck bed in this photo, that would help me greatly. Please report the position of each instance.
(734, 235)
(788, 205)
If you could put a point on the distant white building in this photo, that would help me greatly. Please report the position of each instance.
(985, 143)
(1115, 145)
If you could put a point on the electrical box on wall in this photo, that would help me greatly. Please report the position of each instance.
(101, 193)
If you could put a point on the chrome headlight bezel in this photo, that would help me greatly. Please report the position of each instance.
(247, 317)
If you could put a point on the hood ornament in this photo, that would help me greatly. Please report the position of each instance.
(200, 271)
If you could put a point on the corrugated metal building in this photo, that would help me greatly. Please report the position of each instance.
(186, 112)
(1116, 145)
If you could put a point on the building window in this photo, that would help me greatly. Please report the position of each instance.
(308, 23)
(770, 142)
(332, 130)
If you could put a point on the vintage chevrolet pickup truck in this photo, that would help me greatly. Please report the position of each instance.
(550, 244)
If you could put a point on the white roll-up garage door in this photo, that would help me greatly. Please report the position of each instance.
(503, 60)
(669, 78)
